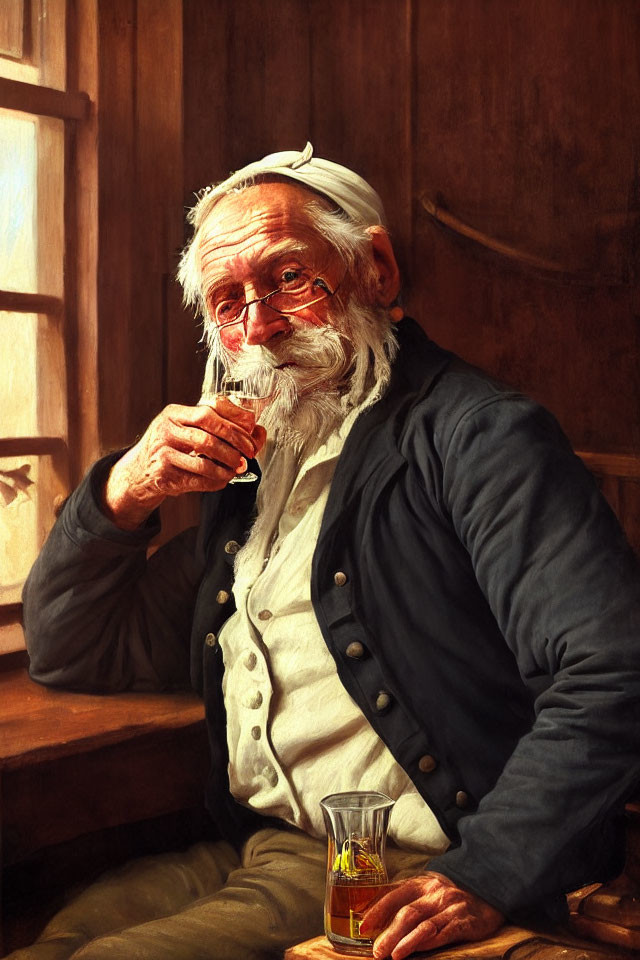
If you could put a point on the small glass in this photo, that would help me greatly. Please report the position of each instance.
(253, 392)
(253, 389)
(357, 824)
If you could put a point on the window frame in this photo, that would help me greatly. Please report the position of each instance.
(73, 108)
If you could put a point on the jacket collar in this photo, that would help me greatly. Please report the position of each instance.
(374, 436)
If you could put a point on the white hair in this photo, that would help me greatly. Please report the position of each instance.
(349, 239)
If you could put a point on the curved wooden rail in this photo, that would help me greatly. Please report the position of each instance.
(525, 259)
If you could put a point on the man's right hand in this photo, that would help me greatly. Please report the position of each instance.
(184, 450)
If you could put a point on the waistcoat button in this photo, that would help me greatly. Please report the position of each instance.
(355, 650)
(339, 578)
(426, 764)
(211, 639)
(270, 776)
(462, 799)
(231, 547)
(254, 700)
(382, 700)
(250, 660)
(222, 596)
(256, 733)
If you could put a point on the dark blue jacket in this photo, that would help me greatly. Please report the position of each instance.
(475, 590)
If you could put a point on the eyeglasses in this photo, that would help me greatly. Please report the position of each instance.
(306, 294)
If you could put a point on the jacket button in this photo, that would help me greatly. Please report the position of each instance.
(250, 660)
(462, 799)
(254, 700)
(222, 596)
(265, 615)
(270, 775)
(339, 578)
(211, 639)
(231, 547)
(382, 700)
(355, 650)
(426, 764)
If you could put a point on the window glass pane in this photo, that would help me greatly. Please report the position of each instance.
(32, 41)
(12, 28)
(18, 387)
(18, 235)
(19, 534)
(29, 488)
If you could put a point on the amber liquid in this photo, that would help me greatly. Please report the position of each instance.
(346, 905)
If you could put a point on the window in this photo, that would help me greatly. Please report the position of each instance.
(38, 114)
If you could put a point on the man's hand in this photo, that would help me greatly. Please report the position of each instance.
(184, 450)
(425, 912)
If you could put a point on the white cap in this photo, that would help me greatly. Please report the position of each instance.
(353, 194)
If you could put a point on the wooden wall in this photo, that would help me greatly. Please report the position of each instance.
(504, 138)
(128, 171)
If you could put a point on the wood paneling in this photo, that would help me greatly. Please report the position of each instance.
(157, 229)
(247, 84)
(361, 98)
(117, 181)
(527, 129)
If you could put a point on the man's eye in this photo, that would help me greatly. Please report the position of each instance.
(225, 308)
(292, 279)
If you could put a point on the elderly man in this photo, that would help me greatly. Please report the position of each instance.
(425, 595)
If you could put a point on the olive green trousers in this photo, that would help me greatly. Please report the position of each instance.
(208, 903)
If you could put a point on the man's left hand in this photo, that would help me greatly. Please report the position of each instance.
(426, 912)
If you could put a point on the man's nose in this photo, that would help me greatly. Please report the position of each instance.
(262, 323)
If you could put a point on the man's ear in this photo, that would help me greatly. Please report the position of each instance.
(388, 282)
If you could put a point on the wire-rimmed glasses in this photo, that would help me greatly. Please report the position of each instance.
(309, 292)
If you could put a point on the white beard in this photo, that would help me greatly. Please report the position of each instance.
(334, 368)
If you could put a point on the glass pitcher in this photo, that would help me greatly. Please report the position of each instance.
(357, 825)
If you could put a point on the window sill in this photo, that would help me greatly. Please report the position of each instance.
(75, 763)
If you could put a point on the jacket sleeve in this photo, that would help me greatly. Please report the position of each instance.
(97, 614)
(564, 588)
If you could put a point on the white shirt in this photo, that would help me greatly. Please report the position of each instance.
(294, 733)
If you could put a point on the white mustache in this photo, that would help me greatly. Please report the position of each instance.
(307, 357)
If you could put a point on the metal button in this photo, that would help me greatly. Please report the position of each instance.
(254, 700)
(231, 546)
(270, 776)
(339, 578)
(382, 700)
(355, 650)
(211, 639)
(256, 733)
(265, 615)
(250, 660)
(426, 763)
(222, 596)
(462, 799)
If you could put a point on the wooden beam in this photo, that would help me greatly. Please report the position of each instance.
(44, 101)
(30, 446)
(15, 302)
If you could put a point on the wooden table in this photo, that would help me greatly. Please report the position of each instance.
(511, 943)
(73, 763)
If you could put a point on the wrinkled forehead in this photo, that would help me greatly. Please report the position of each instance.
(258, 220)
